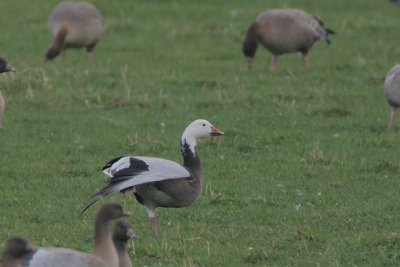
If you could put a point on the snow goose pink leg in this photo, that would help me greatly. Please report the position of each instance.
(161, 182)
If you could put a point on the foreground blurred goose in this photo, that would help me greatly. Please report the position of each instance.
(104, 253)
(15, 249)
(284, 31)
(160, 182)
(122, 233)
(74, 25)
(4, 67)
(392, 92)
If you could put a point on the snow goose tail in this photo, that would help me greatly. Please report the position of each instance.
(158, 182)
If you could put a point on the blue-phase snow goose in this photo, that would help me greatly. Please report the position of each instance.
(158, 182)
(4, 67)
(392, 92)
(121, 234)
(74, 25)
(103, 255)
(284, 31)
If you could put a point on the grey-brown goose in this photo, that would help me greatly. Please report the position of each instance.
(74, 25)
(15, 249)
(121, 234)
(103, 255)
(158, 182)
(284, 31)
(392, 92)
(4, 67)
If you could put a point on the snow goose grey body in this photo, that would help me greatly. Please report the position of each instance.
(121, 234)
(392, 91)
(160, 182)
(284, 31)
(4, 67)
(104, 252)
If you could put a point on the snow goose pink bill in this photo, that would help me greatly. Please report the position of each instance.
(158, 182)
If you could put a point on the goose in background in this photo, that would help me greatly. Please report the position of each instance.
(283, 31)
(158, 182)
(104, 253)
(392, 92)
(121, 234)
(15, 249)
(74, 25)
(4, 67)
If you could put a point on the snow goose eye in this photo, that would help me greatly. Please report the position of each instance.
(204, 124)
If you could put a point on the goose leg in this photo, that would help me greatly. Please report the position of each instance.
(305, 62)
(273, 63)
(392, 115)
(152, 219)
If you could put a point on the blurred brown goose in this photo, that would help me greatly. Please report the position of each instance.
(122, 233)
(4, 67)
(284, 31)
(158, 182)
(392, 92)
(15, 249)
(103, 255)
(74, 25)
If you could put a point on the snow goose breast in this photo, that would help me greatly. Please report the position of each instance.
(284, 31)
(158, 182)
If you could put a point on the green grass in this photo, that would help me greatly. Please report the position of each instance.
(306, 174)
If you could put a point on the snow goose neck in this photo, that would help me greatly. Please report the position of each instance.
(104, 253)
(160, 182)
(122, 233)
(284, 31)
(392, 92)
(74, 25)
(4, 67)
(15, 249)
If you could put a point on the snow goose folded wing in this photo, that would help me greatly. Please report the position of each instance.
(392, 92)
(159, 182)
(284, 31)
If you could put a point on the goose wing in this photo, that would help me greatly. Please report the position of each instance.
(129, 171)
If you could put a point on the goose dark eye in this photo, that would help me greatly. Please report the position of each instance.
(204, 124)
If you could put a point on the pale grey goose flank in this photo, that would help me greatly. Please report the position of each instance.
(4, 67)
(103, 255)
(392, 92)
(284, 31)
(121, 234)
(15, 249)
(74, 25)
(158, 182)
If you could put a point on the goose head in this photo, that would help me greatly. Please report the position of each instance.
(17, 247)
(123, 231)
(4, 66)
(111, 211)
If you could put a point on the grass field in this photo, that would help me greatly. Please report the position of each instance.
(306, 174)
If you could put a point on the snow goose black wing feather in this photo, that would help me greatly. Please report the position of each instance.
(129, 171)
